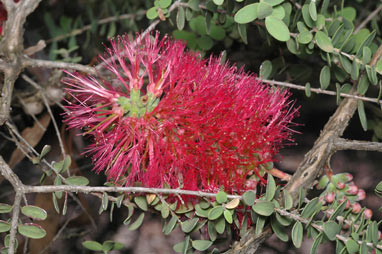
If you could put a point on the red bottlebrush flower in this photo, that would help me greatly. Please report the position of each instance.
(167, 116)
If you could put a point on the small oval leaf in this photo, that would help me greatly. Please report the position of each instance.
(263, 207)
(34, 212)
(215, 213)
(188, 225)
(4, 226)
(5, 208)
(297, 234)
(249, 198)
(92, 245)
(325, 77)
(221, 197)
(246, 14)
(323, 42)
(31, 230)
(138, 222)
(277, 28)
(77, 180)
(201, 245)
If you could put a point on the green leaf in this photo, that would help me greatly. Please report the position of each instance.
(278, 12)
(306, 16)
(373, 231)
(323, 42)
(246, 14)
(283, 220)
(325, 77)
(5, 208)
(346, 64)
(201, 245)
(217, 32)
(7, 242)
(200, 212)
(338, 211)
(363, 85)
(204, 42)
(349, 13)
(171, 225)
(180, 18)
(279, 230)
(352, 246)
(4, 226)
(152, 13)
(277, 28)
(249, 198)
(371, 74)
(310, 208)
(141, 202)
(228, 216)
(378, 189)
(354, 70)
(194, 5)
(313, 10)
(92, 245)
(263, 207)
(366, 55)
(362, 115)
(215, 212)
(331, 229)
(34, 212)
(297, 234)
(220, 225)
(211, 230)
(260, 222)
(31, 230)
(308, 93)
(316, 242)
(218, 2)
(264, 10)
(288, 200)
(45, 150)
(271, 188)
(265, 69)
(242, 28)
(164, 3)
(129, 214)
(305, 37)
(111, 245)
(138, 222)
(274, 2)
(77, 180)
(188, 225)
(221, 197)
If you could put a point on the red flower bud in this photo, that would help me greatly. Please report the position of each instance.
(330, 197)
(361, 195)
(349, 177)
(356, 208)
(340, 185)
(353, 189)
(368, 213)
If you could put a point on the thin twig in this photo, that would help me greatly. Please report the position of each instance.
(99, 22)
(45, 100)
(88, 189)
(320, 91)
(369, 17)
(344, 144)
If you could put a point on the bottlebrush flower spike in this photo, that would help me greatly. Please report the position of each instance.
(166, 116)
